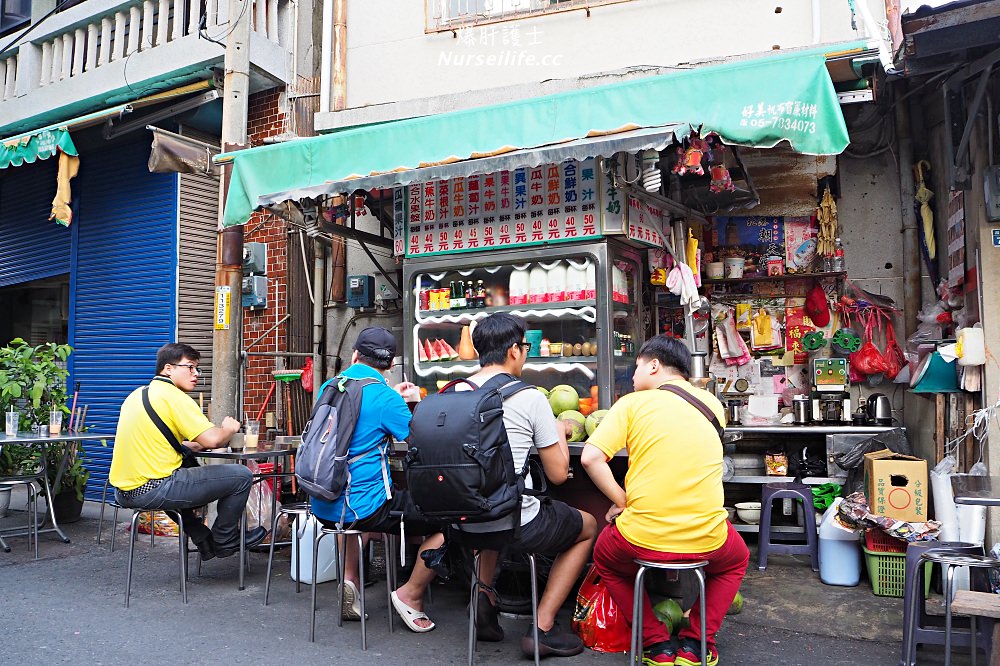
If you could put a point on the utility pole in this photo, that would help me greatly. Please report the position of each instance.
(227, 338)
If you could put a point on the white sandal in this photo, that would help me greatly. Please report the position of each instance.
(410, 615)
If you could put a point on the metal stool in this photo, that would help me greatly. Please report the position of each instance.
(771, 492)
(182, 545)
(948, 559)
(474, 603)
(697, 566)
(923, 628)
(29, 483)
(300, 512)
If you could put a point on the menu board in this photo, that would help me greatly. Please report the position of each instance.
(645, 223)
(528, 206)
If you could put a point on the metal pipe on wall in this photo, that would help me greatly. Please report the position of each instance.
(318, 285)
(911, 241)
(326, 57)
(339, 55)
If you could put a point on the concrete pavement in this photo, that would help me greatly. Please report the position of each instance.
(67, 607)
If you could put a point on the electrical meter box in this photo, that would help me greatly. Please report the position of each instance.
(386, 290)
(254, 259)
(360, 291)
(991, 193)
(255, 292)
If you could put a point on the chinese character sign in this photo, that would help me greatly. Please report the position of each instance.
(645, 223)
(528, 206)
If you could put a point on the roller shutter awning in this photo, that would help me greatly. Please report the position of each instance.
(755, 102)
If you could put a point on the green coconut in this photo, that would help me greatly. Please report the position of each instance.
(564, 398)
(594, 420)
(737, 606)
(544, 390)
(577, 420)
(669, 612)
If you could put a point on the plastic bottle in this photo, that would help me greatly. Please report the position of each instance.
(518, 289)
(839, 551)
(555, 285)
(838, 264)
(537, 284)
(576, 280)
(591, 293)
(302, 542)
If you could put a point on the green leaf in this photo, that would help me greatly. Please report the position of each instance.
(13, 390)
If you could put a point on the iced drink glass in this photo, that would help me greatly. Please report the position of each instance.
(55, 421)
(252, 434)
(12, 418)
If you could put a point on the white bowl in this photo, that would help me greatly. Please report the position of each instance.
(749, 512)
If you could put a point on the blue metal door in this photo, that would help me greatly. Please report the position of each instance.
(31, 247)
(123, 285)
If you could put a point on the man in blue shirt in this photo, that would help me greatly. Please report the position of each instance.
(370, 503)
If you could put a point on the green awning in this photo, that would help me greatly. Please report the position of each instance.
(39, 145)
(756, 102)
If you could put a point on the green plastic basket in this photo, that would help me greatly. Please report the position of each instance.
(887, 572)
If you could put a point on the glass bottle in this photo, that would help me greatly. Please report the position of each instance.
(480, 294)
(838, 265)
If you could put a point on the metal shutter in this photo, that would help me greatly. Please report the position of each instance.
(124, 284)
(199, 220)
(31, 247)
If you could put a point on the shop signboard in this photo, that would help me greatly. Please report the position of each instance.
(645, 223)
(398, 221)
(550, 203)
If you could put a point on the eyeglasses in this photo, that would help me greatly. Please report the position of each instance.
(525, 346)
(190, 366)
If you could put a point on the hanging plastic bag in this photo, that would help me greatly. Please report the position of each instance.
(259, 502)
(307, 375)
(596, 618)
(160, 525)
(894, 358)
(868, 360)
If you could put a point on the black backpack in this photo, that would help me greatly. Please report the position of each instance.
(321, 463)
(459, 467)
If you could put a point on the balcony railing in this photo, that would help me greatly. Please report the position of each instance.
(443, 15)
(142, 26)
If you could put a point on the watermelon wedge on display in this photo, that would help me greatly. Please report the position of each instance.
(432, 354)
(422, 353)
(452, 354)
(441, 350)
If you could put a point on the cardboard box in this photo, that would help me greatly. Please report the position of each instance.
(896, 485)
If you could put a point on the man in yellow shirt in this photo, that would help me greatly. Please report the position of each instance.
(146, 468)
(671, 508)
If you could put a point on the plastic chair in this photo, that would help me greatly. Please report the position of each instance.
(697, 566)
(916, 622)
(299, 512)
(474, 606)
(802, 493)
(948, 559)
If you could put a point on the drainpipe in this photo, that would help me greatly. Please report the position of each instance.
(319, 287)
(876, 33)
(911, 247)
(339, 54)
(326, 57)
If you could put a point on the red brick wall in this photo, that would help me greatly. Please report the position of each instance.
(265, 119)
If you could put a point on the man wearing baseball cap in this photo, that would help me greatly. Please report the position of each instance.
(370, 504)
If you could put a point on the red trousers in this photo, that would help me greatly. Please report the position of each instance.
(614, 555)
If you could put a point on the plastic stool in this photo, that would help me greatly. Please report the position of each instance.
(635, 654)
(299, 512)
(916, 621)
(948, 559)
(474, 606)
(801, 492)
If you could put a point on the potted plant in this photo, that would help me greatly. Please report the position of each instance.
(33, 381)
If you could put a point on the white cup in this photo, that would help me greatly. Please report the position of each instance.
(12, 418)
(734, 266)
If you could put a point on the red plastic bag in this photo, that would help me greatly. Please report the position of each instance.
(894, 359)
(307, 375)
(868, 360)
(596, 618)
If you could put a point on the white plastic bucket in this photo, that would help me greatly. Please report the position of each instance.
(734, 266)
(302, 542)
(839, 551)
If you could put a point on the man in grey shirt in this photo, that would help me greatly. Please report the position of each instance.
(548, 527)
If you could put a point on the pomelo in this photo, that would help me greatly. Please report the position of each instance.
(669, 612)
(737, 606)
(563, 398)
(594, 420)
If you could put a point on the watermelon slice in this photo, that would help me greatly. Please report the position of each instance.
(442, 350)
(422, 353)
(452, 354)
(431, 350)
